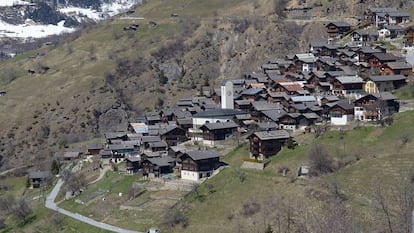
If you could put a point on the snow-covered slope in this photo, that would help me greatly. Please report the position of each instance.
(12, 3)
(32, 30)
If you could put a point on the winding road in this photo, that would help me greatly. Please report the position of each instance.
(50, 204)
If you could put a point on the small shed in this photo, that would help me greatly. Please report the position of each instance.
(38, 178)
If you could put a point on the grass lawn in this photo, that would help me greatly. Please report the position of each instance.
(380, 157)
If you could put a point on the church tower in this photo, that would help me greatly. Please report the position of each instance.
(227, 95)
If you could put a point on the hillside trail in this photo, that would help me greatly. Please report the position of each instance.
(102, 173)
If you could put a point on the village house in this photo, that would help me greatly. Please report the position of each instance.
(347, 86)
(374, 107)
(305, 62)
(387, 16)
(363, 37)
(132, 164)
(111, 136)
(397, 67)
(3, 93)
(173, 135)
(394, 30)
(37, 179)
(264, 144)
(217, 131)
(409, 36)
(157, 166)
(105, 154)
(211, 116)
(71, 155)
(384, 83)
(341, 113)
(337, 29)
(199, 164)
(94, 148)
(376, 60)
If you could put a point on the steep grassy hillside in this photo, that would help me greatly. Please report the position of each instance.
(373, 162)
(93, 80)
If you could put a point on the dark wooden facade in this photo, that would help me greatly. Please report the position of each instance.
(175, 136)
(266, 148)
(189, 164)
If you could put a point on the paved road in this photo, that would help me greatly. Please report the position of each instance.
(50, 204)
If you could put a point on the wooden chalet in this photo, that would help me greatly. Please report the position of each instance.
(218, 131)
(157, 166)
(362, 37)
(105, 154)
(264, 144)
(409, 36)
(94, 149)
(111, 136)
(376, 60)
(336, 29)
(71, 155)
(173, 135)
(157, 146)
(132, 164)
(289, 121)
(38, 178)
(374, 107)
(398, 67)
(347, 85)
(341, 112)
(384, 83)
(199, 164)
(252, 94)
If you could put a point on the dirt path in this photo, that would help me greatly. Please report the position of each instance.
(102, 173)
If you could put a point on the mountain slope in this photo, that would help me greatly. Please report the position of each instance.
(94, 79)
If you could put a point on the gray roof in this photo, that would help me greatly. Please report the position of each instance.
(274, 115)
(94, 146)
(387, 78)
(150, 139)
(218, 112)
(306, 57)
(311, 115)
(344, 104)
(340, 24)
(39, 174)
(272, 135)
(386, 56)
(307, 98)
(385, 96)
(349, 79)
(111, 135)
(267, 125)
(220, 125)
(120, 146)
(202, 154)
(157, 144)
(264, 105)
(399, 65)
(161, 161)
(252, 91)
(71, 154)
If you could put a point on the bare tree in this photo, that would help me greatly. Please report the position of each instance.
(134, 191)
(57, 221)
(396, 203)
(320, 160)
(21, 210)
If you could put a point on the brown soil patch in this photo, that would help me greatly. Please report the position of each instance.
(376, 133)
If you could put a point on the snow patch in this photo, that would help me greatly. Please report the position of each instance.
(13, 3)
(31, 30)
(107, 10)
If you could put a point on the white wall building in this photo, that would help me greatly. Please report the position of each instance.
(227, 95)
